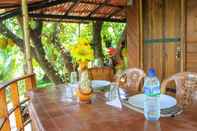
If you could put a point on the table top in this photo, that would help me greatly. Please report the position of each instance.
(50, 111)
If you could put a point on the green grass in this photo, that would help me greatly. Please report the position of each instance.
(43, 84)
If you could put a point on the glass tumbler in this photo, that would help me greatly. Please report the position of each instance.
(73, 77)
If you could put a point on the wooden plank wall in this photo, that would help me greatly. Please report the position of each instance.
(191, 36)
(153, 53)
(172, 29)
(133, 35)
(161, 20)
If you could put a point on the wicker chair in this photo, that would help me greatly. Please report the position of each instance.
(101, 73)
(186, 84)
(130, 80)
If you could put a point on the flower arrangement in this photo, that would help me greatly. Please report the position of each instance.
(82, 51)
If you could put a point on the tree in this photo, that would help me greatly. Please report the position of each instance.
(37, 49)
(49, 42)
(97, 43)
(64, 53)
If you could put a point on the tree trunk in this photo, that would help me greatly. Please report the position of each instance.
(98, 52)
(65, 54)
(120, 46)
(37, 51)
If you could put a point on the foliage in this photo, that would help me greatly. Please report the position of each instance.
(14, 26)
(11, 63)
(81, 51)
(111, 33)
(12, 60)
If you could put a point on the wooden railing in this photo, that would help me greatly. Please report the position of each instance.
(13, 87)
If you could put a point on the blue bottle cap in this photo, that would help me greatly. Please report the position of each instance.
(151, 72)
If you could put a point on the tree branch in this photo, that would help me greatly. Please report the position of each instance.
(65, 55)
(6, 32)
(40, 54)
(37, 51)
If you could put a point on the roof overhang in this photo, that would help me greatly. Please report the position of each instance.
(68, 10)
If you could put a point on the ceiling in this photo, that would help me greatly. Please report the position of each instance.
(67, 10)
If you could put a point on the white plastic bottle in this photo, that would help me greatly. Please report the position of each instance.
(152, 96)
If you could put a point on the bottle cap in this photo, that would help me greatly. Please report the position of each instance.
(151, 72)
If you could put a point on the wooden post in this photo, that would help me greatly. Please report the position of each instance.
(26, 37)
(141, 33)
(135, 34)
(30, 83)
(16, 104)
(183, 32)
(4, 111)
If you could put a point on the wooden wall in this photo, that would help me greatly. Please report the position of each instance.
(191, 36)
(162, 36)
(133, 34)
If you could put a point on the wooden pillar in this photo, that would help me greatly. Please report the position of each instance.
(26, 37)
(141, 34)
(183, 33)
(4, 111)
(135, 34)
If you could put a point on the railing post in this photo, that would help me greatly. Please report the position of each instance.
(4, 111)
(30, 83)
(16, 104)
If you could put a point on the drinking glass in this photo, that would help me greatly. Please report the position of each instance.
(113, 92)
(69, 93)
(70, 88)
(73, 77)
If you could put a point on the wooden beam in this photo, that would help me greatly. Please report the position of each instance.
(46, 3)
(105, 4)
(61, 20)
(115, 12)
(26, 37)
(34, 6)
(97, 8)
(9, 14)
(5, 6)
(49, 3)
(75, 17)
(72, 6)
(183, 34)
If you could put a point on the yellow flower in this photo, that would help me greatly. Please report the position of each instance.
(82, 51)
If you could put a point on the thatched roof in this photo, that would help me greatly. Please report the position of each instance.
(68, 10)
